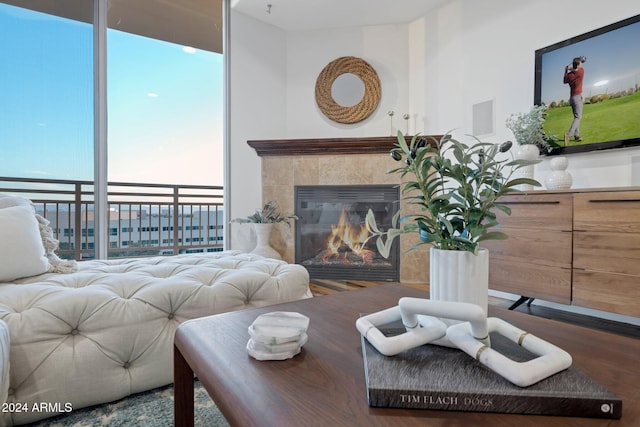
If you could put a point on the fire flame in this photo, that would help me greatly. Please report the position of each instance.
(347, 237)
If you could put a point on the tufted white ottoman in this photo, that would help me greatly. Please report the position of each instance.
(106, 331)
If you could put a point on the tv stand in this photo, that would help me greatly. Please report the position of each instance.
(574, 247)
(521, 300)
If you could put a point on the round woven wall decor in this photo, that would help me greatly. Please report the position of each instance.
(368, 103)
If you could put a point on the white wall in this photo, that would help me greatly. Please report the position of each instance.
(272, 91)
(477, 51)
(434, 69)
(257, 86)
(384, 47)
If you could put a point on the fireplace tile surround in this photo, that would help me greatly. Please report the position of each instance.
(281, 171)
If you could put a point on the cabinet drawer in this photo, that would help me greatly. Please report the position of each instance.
(607, 211)
(617, 293)
(532, 280)
(538, 211)
(548, 247)
(607, 252)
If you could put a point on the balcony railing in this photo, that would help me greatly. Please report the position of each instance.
(144, 219)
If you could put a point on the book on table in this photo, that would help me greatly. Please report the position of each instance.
(443, 378)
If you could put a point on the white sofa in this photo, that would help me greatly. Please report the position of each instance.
(106, 330)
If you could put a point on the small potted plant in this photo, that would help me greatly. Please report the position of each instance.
(527, 128)
(263, 220)
(530, 136)
(268, 214)
(457, 188)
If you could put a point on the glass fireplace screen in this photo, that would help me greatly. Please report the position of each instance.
(331, 237)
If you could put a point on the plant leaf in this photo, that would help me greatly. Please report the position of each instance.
(520, 181)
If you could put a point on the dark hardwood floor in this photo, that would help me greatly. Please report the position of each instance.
(321, 287)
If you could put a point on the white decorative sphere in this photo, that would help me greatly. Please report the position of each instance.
(559, 178)
(559, 163)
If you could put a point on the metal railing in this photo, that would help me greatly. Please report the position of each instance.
(144, 219)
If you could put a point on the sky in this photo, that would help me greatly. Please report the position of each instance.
(613, 64)
(164, 104)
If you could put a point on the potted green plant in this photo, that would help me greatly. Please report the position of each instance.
(263, 220)
(527, 127)
(456, 189)
(530, 136)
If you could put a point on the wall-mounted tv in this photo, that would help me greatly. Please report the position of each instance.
(610, 88)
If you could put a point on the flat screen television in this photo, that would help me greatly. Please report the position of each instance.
(610, 88)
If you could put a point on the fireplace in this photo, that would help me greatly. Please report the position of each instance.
(331, 237)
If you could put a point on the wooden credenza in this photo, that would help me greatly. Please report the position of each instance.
(579, 247)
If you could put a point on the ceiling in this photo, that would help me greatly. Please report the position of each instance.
(195, 23)
(198, 23)
(295, 15)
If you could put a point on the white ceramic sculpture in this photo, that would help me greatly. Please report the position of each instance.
(422, 321)
(390, 346)
(550, 360)
(559, 178)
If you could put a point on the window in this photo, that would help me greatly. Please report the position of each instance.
(46, 110)
(164, 99)
(165, 92)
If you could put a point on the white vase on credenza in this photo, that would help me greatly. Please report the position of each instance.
(527, 152)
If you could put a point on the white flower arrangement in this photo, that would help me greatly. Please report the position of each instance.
(527, 127)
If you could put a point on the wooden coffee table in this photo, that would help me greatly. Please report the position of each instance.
(324, 385)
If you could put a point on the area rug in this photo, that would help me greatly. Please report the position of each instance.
(149, 409)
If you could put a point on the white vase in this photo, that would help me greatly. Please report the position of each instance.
(459, 276)
(263, 248)
(527, 152)
(559, 178)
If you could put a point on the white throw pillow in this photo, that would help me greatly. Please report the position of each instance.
(7, 201)
(21, 251)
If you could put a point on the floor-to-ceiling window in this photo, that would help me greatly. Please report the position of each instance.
(46, 95)
(162, 105)
(164, 68)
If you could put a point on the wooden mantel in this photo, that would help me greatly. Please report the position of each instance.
(301, 147)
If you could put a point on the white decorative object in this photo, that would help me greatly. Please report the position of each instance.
(414, 309)
(422, 320)
(559, 178)
(278, 335)
(459, 276)
(430, 329)
(551, 359)
(527, 152)
(263, 248)
(406, 117)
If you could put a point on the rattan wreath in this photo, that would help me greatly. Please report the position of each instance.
(368, 103)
